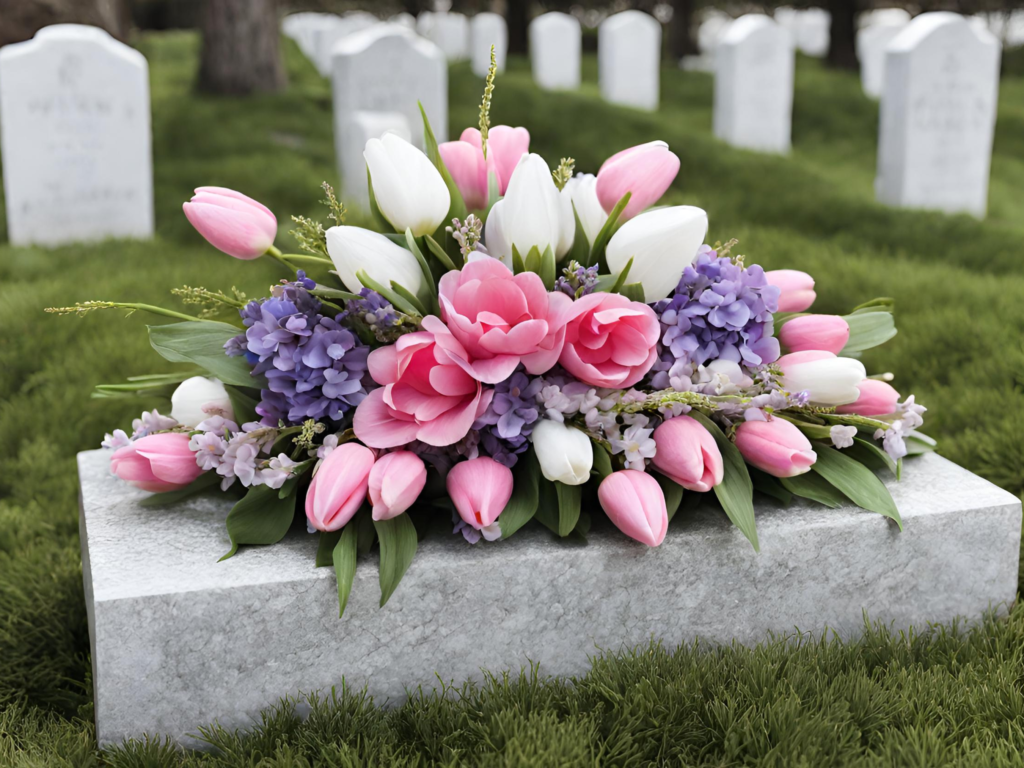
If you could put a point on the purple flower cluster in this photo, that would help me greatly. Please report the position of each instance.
(315, 366)
(719, 311)
(506, 425)
(374, 310)
(577, 280)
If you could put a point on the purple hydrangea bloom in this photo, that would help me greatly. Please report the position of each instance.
(506, 425)
(374, 309)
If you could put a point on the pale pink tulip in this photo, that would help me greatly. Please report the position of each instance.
(646, 171)
(635, 503)
(796, 289)
(465, 161)
(776, 447)
(157, 463)
(468, 168)
(822, 332)
(231, 222)
(503, 319)
(339, 487)
(479, 489)
(877, 398)
(505, 145)
(395, 482)
(688, 455)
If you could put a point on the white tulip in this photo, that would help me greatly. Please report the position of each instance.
(829, 380)
(353, 249)
(495, 239)
(564, 453)
(582, 188)
(566, 224)
(533, 210)
(197, 399)
(408, 188)
(662, 243)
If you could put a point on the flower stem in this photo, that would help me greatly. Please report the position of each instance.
(303, 257)
(275, 254)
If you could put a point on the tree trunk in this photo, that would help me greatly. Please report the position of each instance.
(842, 47)
(240, 47)
(682, 40)
(517, 16)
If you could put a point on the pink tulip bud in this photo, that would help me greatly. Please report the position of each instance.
(828, 333)
(480, 489)
(231, 222)
(776, 447)
(468, 168)
(646, 171)
(876, 399)
(635, 503)
(395, 482)
(796, 289)
(687, 454)
(157, 463)
(339, 486)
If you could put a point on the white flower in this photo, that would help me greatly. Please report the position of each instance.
(532, 209)
(842, 436)
(278, 471)
(198, 398)
(564, 453)
(353, 249)
(495, 239)
(408, 188)
(828, 380)
(116, 440)
(151, 422)
(566, 224)
(637, 445)
(582, 189)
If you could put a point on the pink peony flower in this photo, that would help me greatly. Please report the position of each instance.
(503, 319)
(157, 463)
(610, 341)
(231, 222)
(465, 160)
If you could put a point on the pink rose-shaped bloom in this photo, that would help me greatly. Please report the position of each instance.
(776, 447)
(157, 463)
(635, 503)
(479, 489)
(465, 160)
(610, 341)
(339, 486)
(796, 289)
(688, 455)
(503, 319)
(396, 481)
(231, 222)
(645, 171)
(426, 393)
(876, 399)
(824, 332)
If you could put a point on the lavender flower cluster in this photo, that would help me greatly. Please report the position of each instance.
(241, 454)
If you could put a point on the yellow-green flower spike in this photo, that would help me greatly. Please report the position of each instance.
(485, 105)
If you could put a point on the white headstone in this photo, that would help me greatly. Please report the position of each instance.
(556, 42)
(448, 31)
(485, 30)
(938, 116)
(629, 59)
(754, 85)
(337, 28)
(75, 138)
(301, 27)
(358, 129)
(809, 28)
(405, 19)
(872, 40)
(388, 68)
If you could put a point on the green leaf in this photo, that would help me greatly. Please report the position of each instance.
(409, 297)
(769, 486)
(344, 557)
(243, 402)
(569, 498)
(634, 292)
(365, 531)
(457, 209)
(602, 460)
(548, 271)
(601, 241)
(918, 443)
(439, 252)
(518, 265)
(533, 260)
(260, 517)
(813, 431)
(334, 293)
(857, 481)
(868, 453)
(325, 548)
(813, 486)
(200, 484)
(673, 494)
(202, 342)
(547, 505)
(522, 506)
(620, 279)
(736, 491)
(867, 330)
(387, 293)
(580, 251)
(883, 304)
(397, 548)
(428, 276)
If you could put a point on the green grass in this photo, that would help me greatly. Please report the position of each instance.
(938, 697)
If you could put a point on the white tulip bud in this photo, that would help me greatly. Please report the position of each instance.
(564, 453)
(582, 188)
(533, 210)
(495, 239)
(353, 249)
(829, 380)
(408, 188)
(197, 399)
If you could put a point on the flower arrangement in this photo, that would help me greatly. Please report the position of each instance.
(519, 342)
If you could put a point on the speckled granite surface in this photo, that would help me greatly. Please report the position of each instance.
(180, 640)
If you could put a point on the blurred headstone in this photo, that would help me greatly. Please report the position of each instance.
(335, 29)
(388, 68)
(938, 116)
(878, 30)
(555, 47)
(404, 19)
(629, 59)
(301, 27)
(75, 138)
(754, 85)
(712, 26)
(485, 30)
(448, 31)
(809, 29)
(359, 128)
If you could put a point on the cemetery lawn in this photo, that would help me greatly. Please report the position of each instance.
(934, 697)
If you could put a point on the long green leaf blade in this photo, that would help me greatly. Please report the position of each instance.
(202, 342)
(522, 506)
(569, 499)
(344, 557)
(397, 549)
(857, 481)
(261, 517)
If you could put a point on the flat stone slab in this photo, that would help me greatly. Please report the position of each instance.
(180, 640)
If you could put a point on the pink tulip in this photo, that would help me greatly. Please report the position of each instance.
(635, 503)
(646, 171)
(776, 447)
(426, 392)
(796, 289)
(503, 319)
(610, 341)
(876, 399)
(828, 333)
(468, 168)
(157, 463)
(339, 487)
(505, 145)
(687, 454)
(231, 222)
(479, 489)
(395, 482)
(465, 160)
